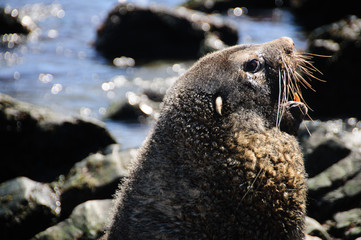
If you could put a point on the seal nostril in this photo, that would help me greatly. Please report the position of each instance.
(289, 51)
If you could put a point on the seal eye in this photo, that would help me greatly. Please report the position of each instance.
(252, 66)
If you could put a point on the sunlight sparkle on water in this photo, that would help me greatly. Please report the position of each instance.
(132, 98)
(146, 108)
(124, 62)
(45, 77)
(237, 11)
(56, 88)
(85, 111)
(52, 33)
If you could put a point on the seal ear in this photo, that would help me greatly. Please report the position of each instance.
(218, 105)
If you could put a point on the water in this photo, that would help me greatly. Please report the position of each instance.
(57, 66)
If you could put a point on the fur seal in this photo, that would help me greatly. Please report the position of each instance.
(221, 161)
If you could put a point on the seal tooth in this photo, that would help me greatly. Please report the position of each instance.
(219, 104)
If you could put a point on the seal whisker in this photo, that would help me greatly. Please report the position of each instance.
(309, 73)
(303, 81)
(278, 117)
(252, 184)
(310, 55)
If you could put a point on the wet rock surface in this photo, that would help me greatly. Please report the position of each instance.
(24, 202)
(151, 33)
(41, 144)
(87, 221)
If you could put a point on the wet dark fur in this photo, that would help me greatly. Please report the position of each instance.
(206, 175)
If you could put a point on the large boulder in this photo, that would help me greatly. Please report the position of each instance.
(339, 95)
(40, 144)
(149, 33)
(26, 207)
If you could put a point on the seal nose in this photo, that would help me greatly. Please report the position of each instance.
(288, 41)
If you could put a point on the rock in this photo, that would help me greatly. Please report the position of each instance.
(315, 229)
(10, 23)
(347, 225)
(95, 177)
(341, 42)
(41, 144)
(331, 150)
(309, 237)
(87, 221)
(26, 207)
(343, 198)
(312, 14)
(223, 5)
(150, 33)
(326, 143)
(12, 31)
(325, 146)
(137, 108)
(333, 155)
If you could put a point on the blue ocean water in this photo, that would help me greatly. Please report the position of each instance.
(57, 67)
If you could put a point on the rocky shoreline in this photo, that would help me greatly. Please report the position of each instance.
(58, 173)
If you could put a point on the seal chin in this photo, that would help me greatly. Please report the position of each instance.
(293, 116)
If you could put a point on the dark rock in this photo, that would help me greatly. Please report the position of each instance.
(312, 14)
(137, 108)
(150, 33)
(223, 5)
(325, 143)
(331, 150)
(96, 177)
(26, 207)
(155, 96)
(10, 24)
(87, 221)
(339, 95)
(41, 144)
